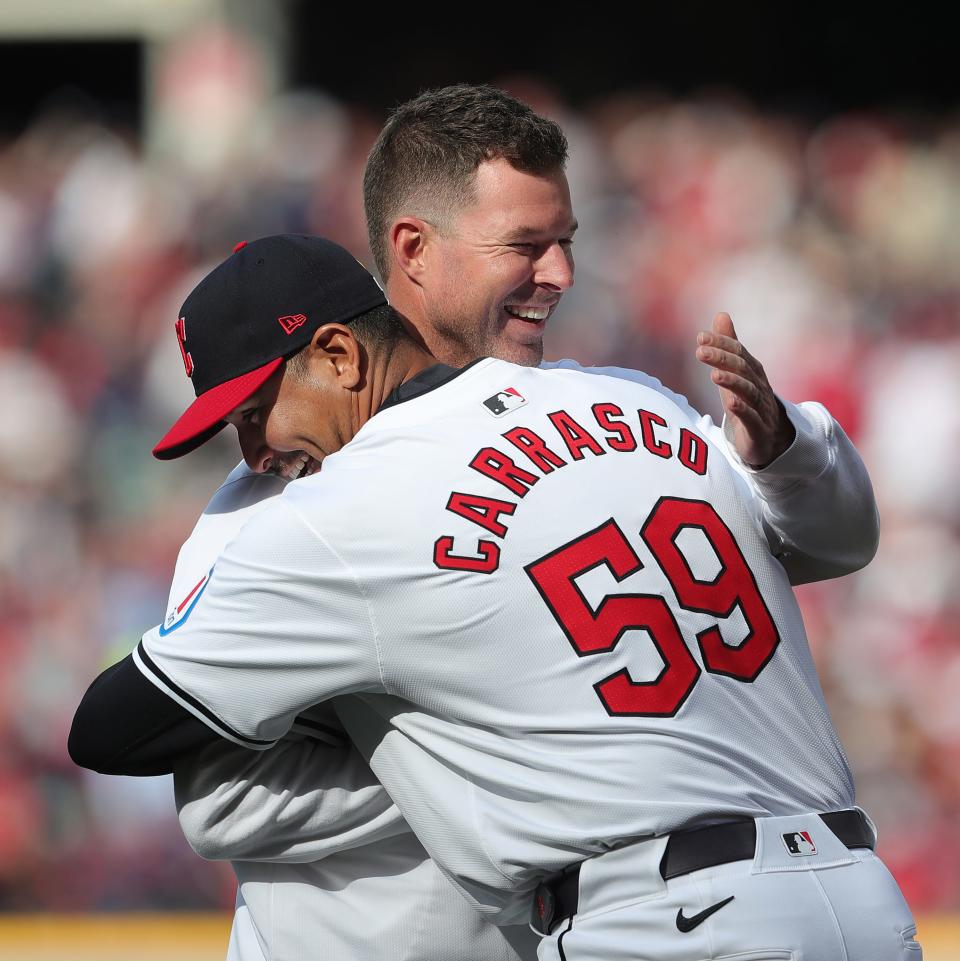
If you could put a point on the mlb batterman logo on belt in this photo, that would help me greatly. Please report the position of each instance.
(259, 307)
(799, 844)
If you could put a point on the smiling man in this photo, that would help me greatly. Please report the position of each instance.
(505, 259)
(326, 865)
(557, 673)
(470, 222)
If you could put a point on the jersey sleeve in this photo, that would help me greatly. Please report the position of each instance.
(243, 495)
(819, 510)
(300, 801)
(280, 624)
(816, 502)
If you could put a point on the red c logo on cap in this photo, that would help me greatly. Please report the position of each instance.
(180, 328)
(291, 322)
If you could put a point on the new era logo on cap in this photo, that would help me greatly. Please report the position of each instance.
(291, 322)
(505, 401)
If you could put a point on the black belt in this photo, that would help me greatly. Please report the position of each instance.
(687, 851)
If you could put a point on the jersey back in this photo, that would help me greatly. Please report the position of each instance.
(558, 592)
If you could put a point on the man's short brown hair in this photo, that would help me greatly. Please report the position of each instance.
(424, 162)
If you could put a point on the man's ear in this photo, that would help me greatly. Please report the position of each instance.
(409, 237)
(335, 347)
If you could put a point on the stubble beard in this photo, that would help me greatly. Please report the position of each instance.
(458, 342)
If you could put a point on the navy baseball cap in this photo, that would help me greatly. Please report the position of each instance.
(259, 307)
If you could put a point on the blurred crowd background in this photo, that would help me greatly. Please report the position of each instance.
(832, 241)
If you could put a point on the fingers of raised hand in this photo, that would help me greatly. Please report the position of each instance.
(718, 350)
(741, 393)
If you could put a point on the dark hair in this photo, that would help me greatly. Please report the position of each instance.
(428, 152)
(379, 329)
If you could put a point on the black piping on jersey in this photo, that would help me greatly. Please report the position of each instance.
(429, 379)
(193, 702)
(563, 934)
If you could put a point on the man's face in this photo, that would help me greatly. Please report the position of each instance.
(496, 272)
(290, 424)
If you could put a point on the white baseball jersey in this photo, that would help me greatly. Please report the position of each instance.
(326, 864)
(566, 607)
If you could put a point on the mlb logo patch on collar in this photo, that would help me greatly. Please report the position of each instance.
(799, 844)
(504, 401)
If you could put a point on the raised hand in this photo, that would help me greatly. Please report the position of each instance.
(761, 429)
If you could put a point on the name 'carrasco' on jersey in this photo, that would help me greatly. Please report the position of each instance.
(545, 455)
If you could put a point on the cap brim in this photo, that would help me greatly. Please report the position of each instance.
(204, 418)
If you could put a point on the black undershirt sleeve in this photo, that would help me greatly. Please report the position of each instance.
(126, 725)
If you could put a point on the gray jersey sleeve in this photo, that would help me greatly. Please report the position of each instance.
(300, 801)
(819, 511)
(816, 501)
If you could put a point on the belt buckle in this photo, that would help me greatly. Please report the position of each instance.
(543, 909)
